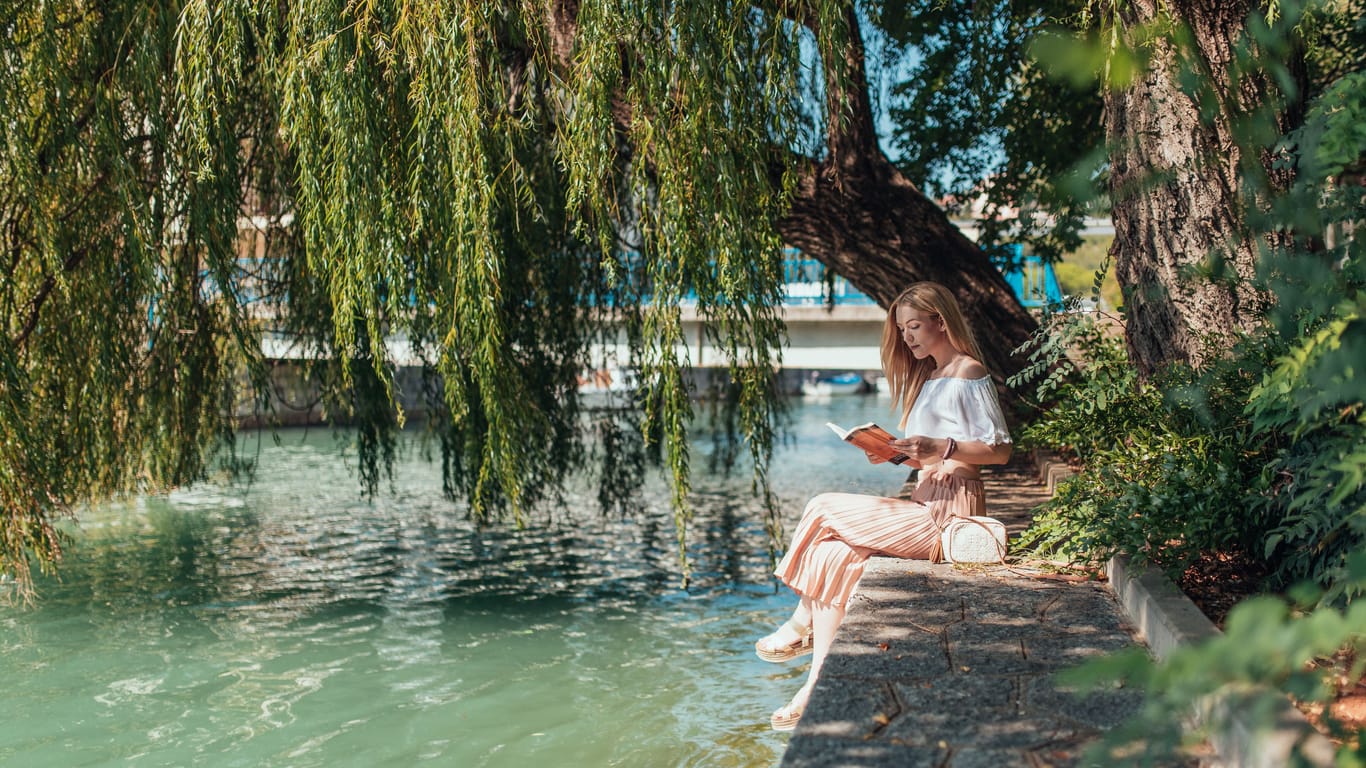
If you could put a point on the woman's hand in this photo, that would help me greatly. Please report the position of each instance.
(921, 448)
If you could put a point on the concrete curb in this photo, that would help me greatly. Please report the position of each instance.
(1164, 616)
(1167, 620)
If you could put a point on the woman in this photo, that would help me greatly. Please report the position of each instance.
(953, 425)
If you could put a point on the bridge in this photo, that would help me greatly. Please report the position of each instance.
(832, 328)
(831, 325)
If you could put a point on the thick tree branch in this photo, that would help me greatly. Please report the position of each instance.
(859, 216)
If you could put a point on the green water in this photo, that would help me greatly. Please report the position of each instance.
(295, 623)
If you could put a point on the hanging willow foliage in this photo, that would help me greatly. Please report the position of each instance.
(500, 185)
(121, 347)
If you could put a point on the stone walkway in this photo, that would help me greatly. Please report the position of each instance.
(947, 666)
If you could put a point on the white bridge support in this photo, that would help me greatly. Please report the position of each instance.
(843, 338)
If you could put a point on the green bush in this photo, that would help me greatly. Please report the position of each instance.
(1165, 467)
(1309, 418)
(1265, 450)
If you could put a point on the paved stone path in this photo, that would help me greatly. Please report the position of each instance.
(952, 667)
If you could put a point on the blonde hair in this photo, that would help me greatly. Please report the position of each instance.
(905, 374)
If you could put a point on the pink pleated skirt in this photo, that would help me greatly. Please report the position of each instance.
(838, 532)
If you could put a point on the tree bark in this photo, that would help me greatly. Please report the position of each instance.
(859, 216)
(1177, 182)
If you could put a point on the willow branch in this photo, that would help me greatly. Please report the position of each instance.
(40, 298)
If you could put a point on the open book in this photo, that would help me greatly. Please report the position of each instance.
(872, 438)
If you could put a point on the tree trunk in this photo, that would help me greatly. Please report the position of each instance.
(859, 216)
(1177, 183)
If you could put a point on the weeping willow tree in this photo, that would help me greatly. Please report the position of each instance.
(497, 186)
(118, 359)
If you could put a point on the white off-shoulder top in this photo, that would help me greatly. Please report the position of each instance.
(965, 409)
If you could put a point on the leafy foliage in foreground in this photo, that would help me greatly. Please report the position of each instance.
(1264, 450)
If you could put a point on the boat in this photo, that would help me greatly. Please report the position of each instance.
(837, 384)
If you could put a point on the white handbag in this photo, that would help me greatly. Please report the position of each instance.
(973, 540)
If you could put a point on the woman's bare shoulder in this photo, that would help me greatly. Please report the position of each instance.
(966, 368)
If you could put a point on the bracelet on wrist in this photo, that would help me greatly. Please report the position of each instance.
(950, 445)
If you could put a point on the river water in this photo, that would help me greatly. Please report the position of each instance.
(293, 622)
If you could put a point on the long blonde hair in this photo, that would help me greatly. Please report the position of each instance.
(905, 374)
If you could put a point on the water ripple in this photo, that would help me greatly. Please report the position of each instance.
(296, 623)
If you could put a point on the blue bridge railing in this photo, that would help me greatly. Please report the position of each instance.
(804, 284)
(1033, 281)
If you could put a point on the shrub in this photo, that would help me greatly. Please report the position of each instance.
(1165, 464)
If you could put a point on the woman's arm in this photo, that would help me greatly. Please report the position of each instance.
(921, 448)
(977, 452)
